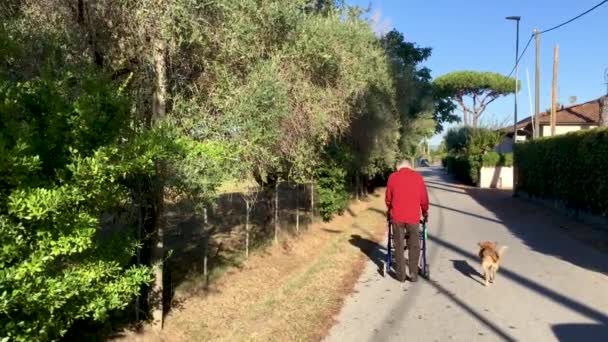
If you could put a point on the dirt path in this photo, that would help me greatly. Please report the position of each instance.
(551, 287)
(289, 292)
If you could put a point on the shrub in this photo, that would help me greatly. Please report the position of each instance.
(571, 168)
(332, 189)
(61, 169)
(466, 168)
(470, 149)
(463, 168)
(495, 159)
(470, 140)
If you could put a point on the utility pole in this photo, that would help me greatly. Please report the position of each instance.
(537, 86)
(554, 90)
(516, 82)
(604, 116)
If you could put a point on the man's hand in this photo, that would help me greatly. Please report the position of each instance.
(388, 215)
(425, 217)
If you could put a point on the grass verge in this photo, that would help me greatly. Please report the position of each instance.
(287, 292)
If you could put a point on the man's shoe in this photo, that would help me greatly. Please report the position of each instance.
(414, 279)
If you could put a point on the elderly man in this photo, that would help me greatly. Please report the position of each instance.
(406, 198)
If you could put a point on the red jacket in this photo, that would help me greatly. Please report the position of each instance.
(406, 196)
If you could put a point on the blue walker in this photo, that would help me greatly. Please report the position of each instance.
(424, 267)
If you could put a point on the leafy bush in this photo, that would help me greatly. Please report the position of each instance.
(61, 168)
(470, 140)
(470, 149)
(464, 168)
(66, 158)
(332, 179)
(571, 168)
(495, 159)
(332, 190)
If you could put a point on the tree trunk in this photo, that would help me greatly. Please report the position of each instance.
(158, 112)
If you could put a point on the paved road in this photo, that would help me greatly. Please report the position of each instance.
(551, 287)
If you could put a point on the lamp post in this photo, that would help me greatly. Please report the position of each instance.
(517, 19)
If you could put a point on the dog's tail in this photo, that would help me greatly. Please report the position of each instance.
(502, 250)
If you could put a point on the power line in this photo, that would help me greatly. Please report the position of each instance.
(522, 54)
(573, 19)
(554, 28)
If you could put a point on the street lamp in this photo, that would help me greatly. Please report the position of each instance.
(517, 19)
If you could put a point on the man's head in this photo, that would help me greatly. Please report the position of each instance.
(404, 164)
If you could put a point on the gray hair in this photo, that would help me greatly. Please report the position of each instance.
(404, 164)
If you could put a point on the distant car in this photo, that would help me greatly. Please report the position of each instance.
(424, 163)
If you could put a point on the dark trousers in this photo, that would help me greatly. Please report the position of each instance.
(413, 246)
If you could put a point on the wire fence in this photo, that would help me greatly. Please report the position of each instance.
(202, 244)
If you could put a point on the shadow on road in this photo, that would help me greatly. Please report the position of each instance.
(532, 285)
(543, 229)
(467, 270)
(580, 332)
(443, 188)
(374, 251)
(505, 336)
(466, 213)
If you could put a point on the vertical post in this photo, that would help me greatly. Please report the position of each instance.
(516, 83)
(517, 19)
(537, 86)
(276, 212)
(159, 108)
(357, 185)
(297, 208)
(247, 210)
(554, 90)
(604, 114)
(138, 255)
(312, 199)
(206, 249)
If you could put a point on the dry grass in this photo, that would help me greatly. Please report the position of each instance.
(288, 292)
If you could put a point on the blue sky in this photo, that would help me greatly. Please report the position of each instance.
(474, 35)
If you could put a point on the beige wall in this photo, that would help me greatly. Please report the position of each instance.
(501, 177)
(561, 129)
(506, 144)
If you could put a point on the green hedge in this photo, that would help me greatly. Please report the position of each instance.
(463, 168)
(572, 168)
(495, 159)
(466, 168)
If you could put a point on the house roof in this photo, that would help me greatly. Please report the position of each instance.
(587, 113)
(584, 113)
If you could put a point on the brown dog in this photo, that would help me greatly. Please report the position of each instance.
(490, 257)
